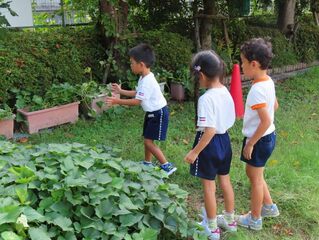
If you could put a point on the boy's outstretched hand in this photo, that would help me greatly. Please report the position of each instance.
(116, 88)
(110, 101)
(191, 157)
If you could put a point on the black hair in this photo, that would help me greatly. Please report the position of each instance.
(258, 49)
(143, 53)
(209, 63)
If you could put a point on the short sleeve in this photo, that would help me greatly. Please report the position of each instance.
(144, 90)
(256, 99)
(205, 112)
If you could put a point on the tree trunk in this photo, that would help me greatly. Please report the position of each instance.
(116, 26)
(316, 17)
(206, 25)
(314, 7)
(286, 16)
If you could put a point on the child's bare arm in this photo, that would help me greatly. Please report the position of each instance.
(264, 124)
(276, 105)
(205, 139)
(129, 102)
(117, 89)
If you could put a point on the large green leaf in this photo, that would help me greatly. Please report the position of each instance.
(23, 174)
(9, 214)
(39, 234)
(10, 236)
(125, 202)
(157, 211)
(63, 223)
(147, 233)
(117, 182)
(3, 163)
(115, 165)
(105, 209)
(130, 219)
(22, 193)
(33, 215)
(84, 162)
(103, 178)
(67, 164)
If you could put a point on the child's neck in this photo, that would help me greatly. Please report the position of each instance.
(215, 84)
(260, 75)
(145, 72)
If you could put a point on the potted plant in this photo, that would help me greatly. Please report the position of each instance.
(6, 121)
(93, 98)
(181, 82)
(163, 77)
(58, 106)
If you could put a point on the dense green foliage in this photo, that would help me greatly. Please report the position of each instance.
(72, 191)
(33, 61)
(6, 113)
(55, 96)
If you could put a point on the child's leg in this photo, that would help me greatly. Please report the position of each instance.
(267, 198)
(147, 153)
(255, 175)
(152, 149)
(209, 198)
(228, 193)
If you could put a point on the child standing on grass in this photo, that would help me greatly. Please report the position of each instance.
(258, 129)
(211, 154)
(150, 97)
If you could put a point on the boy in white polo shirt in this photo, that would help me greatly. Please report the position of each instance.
(258, 129)
(150, 97)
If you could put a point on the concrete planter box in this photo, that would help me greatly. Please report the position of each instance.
(94, 104)
(162, 86)
(177, 91)
(6, 128)
(51, 117)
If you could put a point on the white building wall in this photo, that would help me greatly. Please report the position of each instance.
(24, 10)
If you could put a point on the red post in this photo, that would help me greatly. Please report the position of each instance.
(236, 91)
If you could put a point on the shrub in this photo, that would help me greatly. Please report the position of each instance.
(307, 43)
(171, 49)
(33, 61)
(72, 191)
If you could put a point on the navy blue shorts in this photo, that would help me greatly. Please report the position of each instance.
(262, 150)
(215, 159)
(156, 124)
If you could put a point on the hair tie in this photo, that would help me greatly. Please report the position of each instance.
(197, 68)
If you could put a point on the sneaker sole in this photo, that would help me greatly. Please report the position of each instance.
(269, 216)
(172, 171)
(249, 227)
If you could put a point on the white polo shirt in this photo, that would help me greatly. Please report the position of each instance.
(149, 92)
(262, 94)
(216, 110)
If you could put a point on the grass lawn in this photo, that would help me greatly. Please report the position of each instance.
(292, 171)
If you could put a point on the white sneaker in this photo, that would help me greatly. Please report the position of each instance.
(212, 234)
(222, 223)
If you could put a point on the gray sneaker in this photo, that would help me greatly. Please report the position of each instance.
(222, 223)
(270, 212)
(248, 222)
(212, 234)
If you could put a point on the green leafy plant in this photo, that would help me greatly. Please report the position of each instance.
(162, 75)
(6, 113)
(72, 191)
(58, 94)
(90, 90)
(182, 76)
